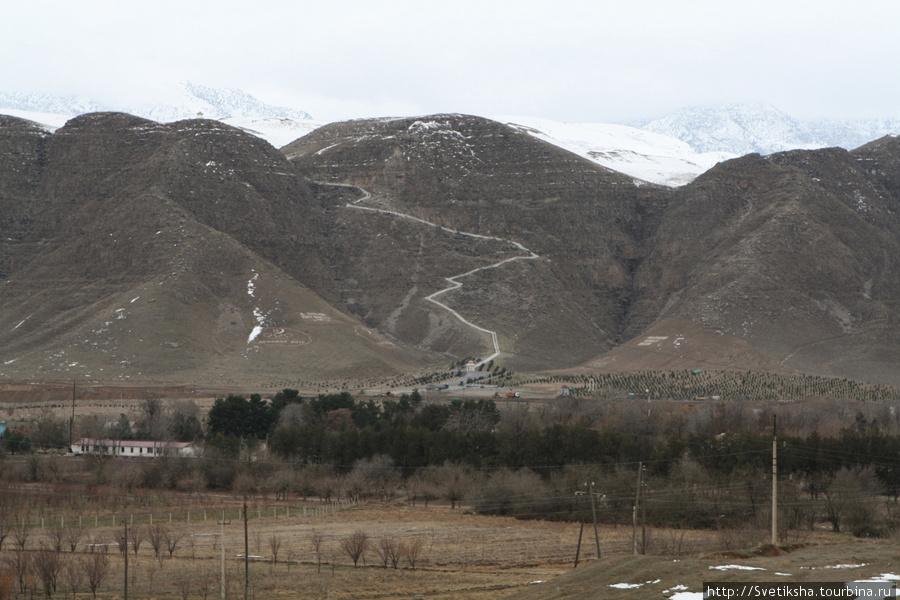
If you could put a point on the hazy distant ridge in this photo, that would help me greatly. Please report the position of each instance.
(196, 100)
(747, 128)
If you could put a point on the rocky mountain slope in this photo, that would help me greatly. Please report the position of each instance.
(187, 251)
(779, 263)
(194, 251)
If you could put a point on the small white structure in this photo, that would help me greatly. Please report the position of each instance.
(132, 448)
(470, 366)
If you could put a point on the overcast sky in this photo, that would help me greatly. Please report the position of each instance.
(592, 61)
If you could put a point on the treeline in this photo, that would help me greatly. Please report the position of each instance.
(546, 451)
(727, 385)
(339, 431)
(704, 464)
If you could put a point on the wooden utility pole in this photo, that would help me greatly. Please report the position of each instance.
(774, 480)
(246, 556)
(72, 419)
(634, 511)
(578, 549)
(643, 523)
(594, 511)
(125, 547)
(223, 523)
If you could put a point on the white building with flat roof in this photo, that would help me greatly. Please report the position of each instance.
(132, 448)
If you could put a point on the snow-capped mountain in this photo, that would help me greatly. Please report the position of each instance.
(215, 103)
(45, 103)
(644, 155)
(670, 151)
(276, 124)
(746, 128)
(193, 101)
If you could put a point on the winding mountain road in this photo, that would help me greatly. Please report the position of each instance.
(454, 281)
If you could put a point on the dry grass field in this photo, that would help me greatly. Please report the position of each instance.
(459, 555)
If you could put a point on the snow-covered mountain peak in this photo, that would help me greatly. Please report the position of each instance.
(638, 153)
(216, 103)
(735, 128)
(746, 128)
(193, 100)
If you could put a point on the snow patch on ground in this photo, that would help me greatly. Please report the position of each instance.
(631, 586)
(258, 314)
(254, 334)
(882, 577)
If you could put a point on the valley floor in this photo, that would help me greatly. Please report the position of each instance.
(459, 555)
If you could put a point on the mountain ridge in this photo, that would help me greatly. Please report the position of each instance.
(645, 150)
(221, 258)
(761, 128)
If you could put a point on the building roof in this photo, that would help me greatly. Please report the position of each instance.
(130, 443)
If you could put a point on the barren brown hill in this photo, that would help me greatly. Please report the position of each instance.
(779, 263)
(193, 252)
(587, 225)
(793, 255)
(184, 252)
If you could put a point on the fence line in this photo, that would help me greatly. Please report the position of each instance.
(306, 510)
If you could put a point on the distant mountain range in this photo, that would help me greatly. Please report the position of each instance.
(195, 101)
(747, 128)
(377, 249)
(670, 151)
(229, 241)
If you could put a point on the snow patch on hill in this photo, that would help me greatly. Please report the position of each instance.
(644, 155)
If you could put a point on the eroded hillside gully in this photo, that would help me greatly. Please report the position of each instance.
(454, 281)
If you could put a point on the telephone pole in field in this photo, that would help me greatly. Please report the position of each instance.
(774, 480)
(223, 523)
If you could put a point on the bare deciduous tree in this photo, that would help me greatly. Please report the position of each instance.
(56, 537)
(204, 583)
(98, 543)
(411, 550)
(279, 483)
(20, 564)
(6, 525)
(20, 535)
(137, 536)
(289, 557)
(73, 536)
(183, 585)
(172, 541)
(388, 551)
(151, 573)
(355, 546)
(274, 546)
(454, 482)
(73, 574)
(156, 535)
(316, 538)
(95, 567)
(374, 476)
(194, 483)
(7, 585)
(47, 564)
(243, 485)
